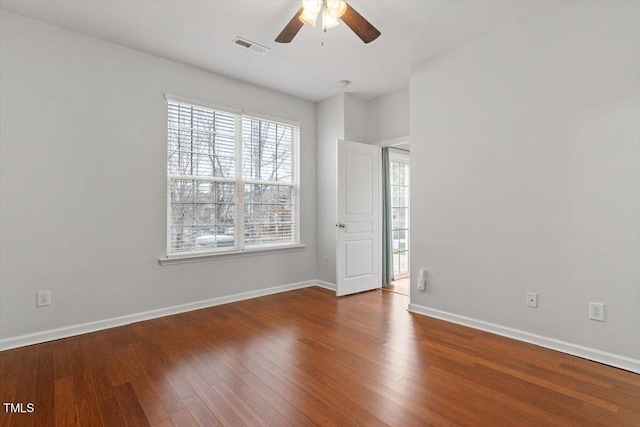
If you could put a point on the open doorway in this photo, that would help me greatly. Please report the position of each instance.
(399, 214)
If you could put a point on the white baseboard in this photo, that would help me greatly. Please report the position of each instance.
(68, 331)
(618, 361)
(326, 285)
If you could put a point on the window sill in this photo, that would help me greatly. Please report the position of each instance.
(185, 259)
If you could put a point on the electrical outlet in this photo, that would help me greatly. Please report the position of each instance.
(422, 279)
(532, 299)
(44, 298)
(596, 311)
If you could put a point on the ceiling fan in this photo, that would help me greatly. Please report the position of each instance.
(331, 11)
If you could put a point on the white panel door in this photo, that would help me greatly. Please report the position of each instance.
(358, 249)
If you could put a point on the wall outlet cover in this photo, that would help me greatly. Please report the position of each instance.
(596, 311)
(43, 298)
(532, 299)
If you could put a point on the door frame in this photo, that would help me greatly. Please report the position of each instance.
(402, 143)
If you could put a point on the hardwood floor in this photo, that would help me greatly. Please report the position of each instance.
(308, 358)
(400, 286)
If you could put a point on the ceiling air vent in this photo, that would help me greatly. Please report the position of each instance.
(250, 45)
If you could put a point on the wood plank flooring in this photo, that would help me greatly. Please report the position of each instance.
(400, 286)
(308, 358)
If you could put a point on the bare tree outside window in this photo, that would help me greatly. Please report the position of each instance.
(268, 164)
(207, 180)
(201, 149)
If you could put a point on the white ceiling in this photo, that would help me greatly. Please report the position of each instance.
(199, 33)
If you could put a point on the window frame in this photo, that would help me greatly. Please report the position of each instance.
(395, 157)
(240, 247)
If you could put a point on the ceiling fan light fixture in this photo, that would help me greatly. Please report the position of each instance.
(332, 12)
(310, 10)
(328, 21)
(336, 8)
(308, 18)
(312, 5)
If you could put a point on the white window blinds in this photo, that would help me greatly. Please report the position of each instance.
(268, 154)
(232, 181)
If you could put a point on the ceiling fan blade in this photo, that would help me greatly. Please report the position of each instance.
(359, 25)
(291, 29)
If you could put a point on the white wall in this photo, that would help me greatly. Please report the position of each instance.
(330, 128)
(388, 116)
(343, 116)
(83, 181)
(356, 126)
(528, 146)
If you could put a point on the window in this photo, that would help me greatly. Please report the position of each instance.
(232, 181)
(400, 215)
